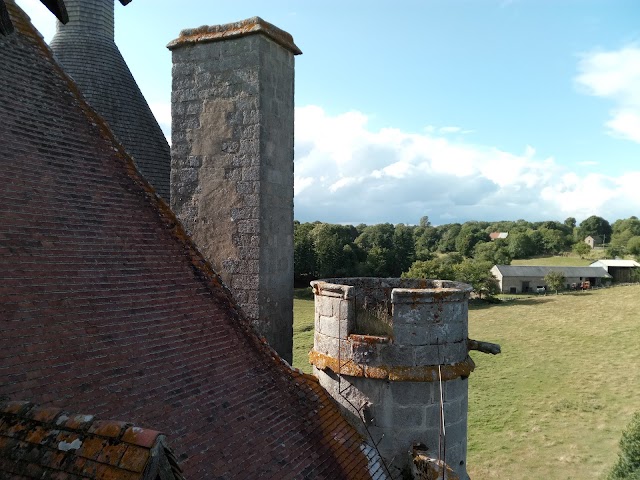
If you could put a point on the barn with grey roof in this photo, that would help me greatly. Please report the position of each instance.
(527, 278)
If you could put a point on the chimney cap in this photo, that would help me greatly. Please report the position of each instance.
(250, 26)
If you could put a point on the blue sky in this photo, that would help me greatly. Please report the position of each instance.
(455, 109)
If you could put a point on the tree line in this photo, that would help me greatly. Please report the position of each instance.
(456, 251)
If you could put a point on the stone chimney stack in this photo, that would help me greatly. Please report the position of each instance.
(232, 163)
(86, 49)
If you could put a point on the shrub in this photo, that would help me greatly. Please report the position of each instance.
(628, 464)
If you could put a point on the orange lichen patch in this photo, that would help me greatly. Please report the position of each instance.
(368, 339)
(233, 30)
(322, 361)
(91, 447)
(107, 472)
(107, 428)
(140, 436)
(75, 422)
(134, 459)
(37, 435)
(44, 414)
(428, 373)
(15, 407)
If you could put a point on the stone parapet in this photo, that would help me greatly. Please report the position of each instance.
(394, 355)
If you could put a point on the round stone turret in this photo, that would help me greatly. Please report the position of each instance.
(394, 354)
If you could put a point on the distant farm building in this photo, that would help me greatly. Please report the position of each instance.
(620, 270)
(594, 241)
(526, 278)
(498, 235)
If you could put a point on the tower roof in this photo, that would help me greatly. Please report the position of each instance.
(86, 49)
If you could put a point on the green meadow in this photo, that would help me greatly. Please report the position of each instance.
(554, 403)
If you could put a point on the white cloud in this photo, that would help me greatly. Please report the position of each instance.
(615, 75)
(162, 112)
(40, 16)
(347, 173)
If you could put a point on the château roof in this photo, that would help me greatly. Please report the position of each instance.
(107, 307)
(86, 49)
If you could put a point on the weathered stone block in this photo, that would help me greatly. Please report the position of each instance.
(411, 334)
(411, 417)
(429, 355)
(414, 393)
(456, 389)
(397, 355)
(331, 346)
(324, 305)
(452, 409)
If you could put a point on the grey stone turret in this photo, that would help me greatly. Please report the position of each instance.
(86, 49)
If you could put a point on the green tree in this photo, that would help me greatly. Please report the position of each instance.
(333, 258)
(469, 235)
(581, 248)
(434, 269)
(426, 242)
(628, 465)
(404, 249)
(377, 242)
(554, 241)
(594, 226)
(495, 252)
(478, 275)
(448, 237)
(555, 280)
(520, 245)
(304, 256)
(633, 247)
(570, 222)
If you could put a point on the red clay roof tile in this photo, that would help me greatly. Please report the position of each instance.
(34, 445)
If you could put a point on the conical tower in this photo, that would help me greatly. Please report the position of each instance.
(86, 49)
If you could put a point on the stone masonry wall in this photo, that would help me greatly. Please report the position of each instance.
(232, 163)
(393, 381)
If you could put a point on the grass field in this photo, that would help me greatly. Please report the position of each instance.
(553, 405)
(561, 261)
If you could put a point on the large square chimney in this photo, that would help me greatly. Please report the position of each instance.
(232, 163)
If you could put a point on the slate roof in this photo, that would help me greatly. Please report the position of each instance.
(107, 307)
(37, 442)
(86, 49)
(540, 271)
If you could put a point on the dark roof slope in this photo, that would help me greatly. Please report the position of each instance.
(37, 442)
(541, 271)
(107, 307)
(86, 49)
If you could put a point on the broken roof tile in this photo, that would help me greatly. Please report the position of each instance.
(41, 448)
